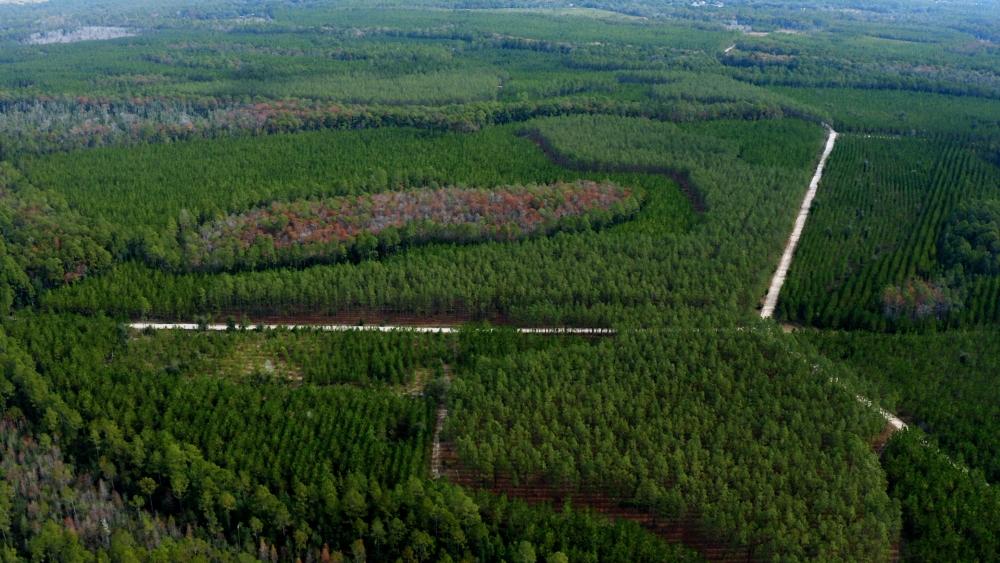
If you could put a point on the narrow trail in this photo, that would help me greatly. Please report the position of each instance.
(893, 420)
(729, 48)
(771, 300)
(437, 465)
(895, 424)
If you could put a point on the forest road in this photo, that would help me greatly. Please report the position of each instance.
(363, 328)
(771, 299)
(892, 419)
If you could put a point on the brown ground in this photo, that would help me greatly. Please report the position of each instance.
(879, 442)
(676, 530)
(358, 316)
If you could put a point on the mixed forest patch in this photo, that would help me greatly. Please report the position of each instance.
(308, 232)
(44, 242)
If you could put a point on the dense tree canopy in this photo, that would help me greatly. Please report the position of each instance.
(635, 164)
(948, 513)
(971, 238)
(887, 226)
(942, 383)
(660, 264)
(689, 423)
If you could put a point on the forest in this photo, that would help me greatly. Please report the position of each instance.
(689, 426)
(372, 224)
(939, 381)
(886, 246)
(303, 232)
(625, 264)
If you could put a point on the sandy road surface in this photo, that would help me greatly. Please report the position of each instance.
(369, 328)
(771, 301)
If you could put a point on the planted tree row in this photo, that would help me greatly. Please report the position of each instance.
(869, 257)
(662, 264)
(897, 112)
(732, 428)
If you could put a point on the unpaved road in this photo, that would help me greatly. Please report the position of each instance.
(368, 328)
(441, 414)
(771, 301)
(892, 419)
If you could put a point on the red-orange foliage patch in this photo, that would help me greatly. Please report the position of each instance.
(362, 225)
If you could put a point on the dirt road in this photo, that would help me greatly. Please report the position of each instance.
(369, 328)
(771, 300)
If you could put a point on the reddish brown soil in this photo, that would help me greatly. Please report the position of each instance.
(879, 442)
(676, 530)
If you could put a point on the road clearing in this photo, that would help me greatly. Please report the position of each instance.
(362, 328)
(771, 300)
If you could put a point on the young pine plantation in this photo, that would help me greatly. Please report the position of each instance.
(330, 281)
